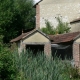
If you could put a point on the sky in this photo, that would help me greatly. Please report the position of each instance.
(36, 0)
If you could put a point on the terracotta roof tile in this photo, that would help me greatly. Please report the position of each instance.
(27, 34)
(18, 38)
(21, 36)
(60, 38)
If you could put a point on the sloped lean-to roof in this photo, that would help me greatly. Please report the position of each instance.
(62, 38)
(22, 36)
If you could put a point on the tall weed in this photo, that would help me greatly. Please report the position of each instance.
(39, 67)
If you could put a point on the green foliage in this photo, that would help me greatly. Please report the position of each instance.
(73, 71)
(39, 67)
(7, 69)
(60, 29)
(27, 66)
(62, 26)
(15, 15)
(49, 28)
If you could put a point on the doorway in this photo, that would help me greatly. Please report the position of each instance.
(35, 48)
(62, 51)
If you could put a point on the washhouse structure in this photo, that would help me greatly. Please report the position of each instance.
(64, 45)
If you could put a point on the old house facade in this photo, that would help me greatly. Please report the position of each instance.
(68, 10)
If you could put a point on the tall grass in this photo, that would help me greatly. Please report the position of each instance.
(39, 67)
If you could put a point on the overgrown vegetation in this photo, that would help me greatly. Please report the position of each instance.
(61, 28)
(7, 67)
(49, 28)
(27, 66)
(40, 67)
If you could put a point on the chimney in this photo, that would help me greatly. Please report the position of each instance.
(37, 16)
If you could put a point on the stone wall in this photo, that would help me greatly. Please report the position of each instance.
(67, 10)
(75, 27)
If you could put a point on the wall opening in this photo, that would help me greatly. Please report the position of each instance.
(35, 48)
(62, 51)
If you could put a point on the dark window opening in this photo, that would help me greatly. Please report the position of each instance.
(35, 48)
(63, 52)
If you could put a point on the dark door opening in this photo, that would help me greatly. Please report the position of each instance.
(63, 52)
(35, 48)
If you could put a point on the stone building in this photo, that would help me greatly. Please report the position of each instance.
(67, 44)
(68, 10)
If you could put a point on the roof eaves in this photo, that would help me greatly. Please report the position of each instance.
(76, 37)
(31, 32)
(43, 34)
(18, 38)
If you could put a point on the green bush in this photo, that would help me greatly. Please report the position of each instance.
(49, 29)
(7, 69)
(62, 27)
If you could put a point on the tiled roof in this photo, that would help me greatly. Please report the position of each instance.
(76, 20)
(61, 38)
(23, 35)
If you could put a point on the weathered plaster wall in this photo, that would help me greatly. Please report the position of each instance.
(58, 1)
(75, 27)
(20, 47)
(67, 9)
(77, 40)
(36, 38)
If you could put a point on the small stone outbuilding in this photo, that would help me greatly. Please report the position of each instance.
(67, 44)
(35, 39)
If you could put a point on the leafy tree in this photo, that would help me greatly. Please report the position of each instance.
(15, 15)
(61, 28)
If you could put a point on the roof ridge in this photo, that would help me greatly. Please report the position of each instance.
(22, 36)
